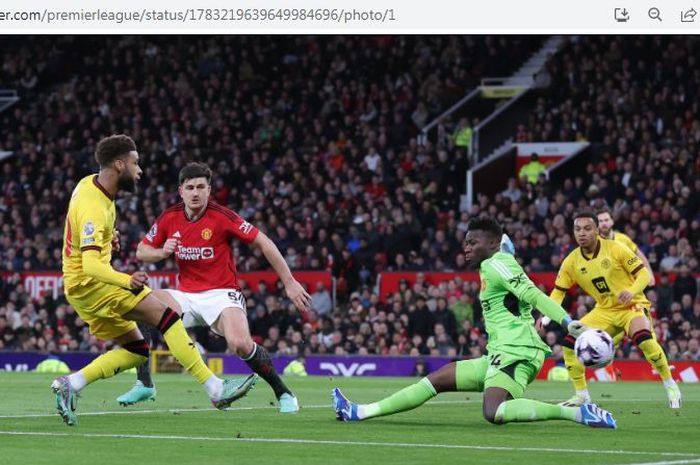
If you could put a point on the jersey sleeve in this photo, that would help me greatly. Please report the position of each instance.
(238, 228)
(624, 239)
(564, 279)
(505, 271)
(92, 224)
(158, 233)
(629, 260)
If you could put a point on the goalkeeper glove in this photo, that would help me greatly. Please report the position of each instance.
(574, 327)
(507, 245)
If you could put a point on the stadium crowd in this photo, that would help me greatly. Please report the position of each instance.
(325, 161)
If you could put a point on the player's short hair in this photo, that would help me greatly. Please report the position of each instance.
(587, 214)
(112, 148)
(600, 211)
(486, 224)
(195, 170)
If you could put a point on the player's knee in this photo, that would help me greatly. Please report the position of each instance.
(489, 412)
(241, 346)
(641, 336)
(140, 347)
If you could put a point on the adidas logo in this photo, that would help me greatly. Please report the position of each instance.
(177, 234)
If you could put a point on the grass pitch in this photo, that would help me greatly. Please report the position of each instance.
(181, 427)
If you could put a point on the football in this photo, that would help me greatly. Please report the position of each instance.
(594, 348)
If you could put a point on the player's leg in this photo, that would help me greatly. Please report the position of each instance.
(467, 375)
(144, 389)
(133, 352)
(505, 384)
(595, 319)
(221, 392)
(233, 324)
(642, 333)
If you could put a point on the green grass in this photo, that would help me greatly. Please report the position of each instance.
(181, 427)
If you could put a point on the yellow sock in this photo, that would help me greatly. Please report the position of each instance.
(111, 363)
(656, 356)
(577, 372)
(182, 347)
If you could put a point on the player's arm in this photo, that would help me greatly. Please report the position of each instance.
(295, 291)
(155, 245)
(149, 254)
(645, 260)
(92, 227)
(636, 268)
(563, 282)
(513, 278)
(96, 269)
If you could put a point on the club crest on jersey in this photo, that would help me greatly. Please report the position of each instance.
(605, 264)
(88, 229)
(206, 234)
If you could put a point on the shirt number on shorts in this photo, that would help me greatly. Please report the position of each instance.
(236, 298)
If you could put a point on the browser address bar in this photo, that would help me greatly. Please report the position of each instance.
(338, 16)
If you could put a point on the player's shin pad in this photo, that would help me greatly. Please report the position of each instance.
(655, 355)
(112, 363)
(577, 371)
(182, 347)
(526, 410)
(407, 398)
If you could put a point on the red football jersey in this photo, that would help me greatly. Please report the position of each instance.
(204, 255)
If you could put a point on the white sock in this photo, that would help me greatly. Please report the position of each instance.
(214, 387)
(77, 381)
(363, 411)
(669, 382)
(584, 393)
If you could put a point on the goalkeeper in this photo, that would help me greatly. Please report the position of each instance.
(515, 351)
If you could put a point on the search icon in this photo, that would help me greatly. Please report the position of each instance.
(655, 13)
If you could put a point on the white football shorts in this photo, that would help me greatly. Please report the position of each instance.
(204, 308)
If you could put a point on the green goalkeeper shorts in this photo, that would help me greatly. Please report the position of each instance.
(501, 369)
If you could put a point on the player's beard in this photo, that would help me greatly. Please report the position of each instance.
(127, 183)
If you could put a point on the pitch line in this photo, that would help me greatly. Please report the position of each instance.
(209, 409)
(357, 443)
(671, 462)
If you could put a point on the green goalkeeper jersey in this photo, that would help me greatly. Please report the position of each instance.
(507, 299)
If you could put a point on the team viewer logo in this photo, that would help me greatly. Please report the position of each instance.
(206, 234)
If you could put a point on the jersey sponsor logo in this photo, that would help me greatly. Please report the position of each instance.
(245, 227)
(194, 253)
(206, 234)
(152, 233)
(88, 229)
(632, 260)
(517, 280)
(601, 284)
(87, 241)
(177, 235)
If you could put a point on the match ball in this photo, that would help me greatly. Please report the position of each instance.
(594, 348)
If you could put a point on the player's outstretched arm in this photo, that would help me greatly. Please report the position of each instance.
(511, 274)
(296, 293)
(150, 254)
